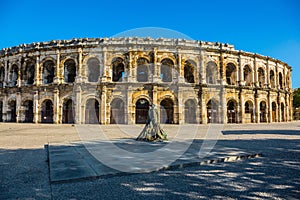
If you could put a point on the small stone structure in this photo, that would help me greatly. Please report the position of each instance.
(112, 81)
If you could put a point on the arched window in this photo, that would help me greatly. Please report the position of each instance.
(190, 108)
(69, 71)
(247, 75)
(166, 70)
(68, 112)
(167, 111)
(280, 80)
(93, 69)
(2, 76)
(272, 79)
(232, 111)
(117, 112)
(261, 77)
(231, 74)
(29, 73)
(12, 111)
(48, 71)
(189, 72)
(92, 111)
(142, 70)
(14, 75)
(141, 111)
(263, 111)
(47, 111)
(248, 112)
(211, 73)
(28, 106)
(212, 111)
(118, 69)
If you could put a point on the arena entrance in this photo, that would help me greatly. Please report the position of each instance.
(212, 112)
(92, 112)
(141, 111)
(231, 112)
(274, 108)
(1, 110)
(117, 111)
(190, 108)
(12, 111)
(47, 111)
(68, 116)
(167, 111)
(282, 112)
(28, 105)
(263, 111)
(248, 118)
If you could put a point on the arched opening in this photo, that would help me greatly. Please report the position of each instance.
(141, 111)
(48, 71)
(69, 71)
(166, 70)
(47, 111)
(118, 70)
(231, 112)
(93, 69)
(211, 73)
(274, 108)
(189, 72)
(14, 75)
(1, 111)
(190, 108)
(68, 112)
(280, 81)
(117, 112)
(230, 74)
(248, 118)
(247, 75)
(2, 76)
(142, 70)
(212, 112)
(29, 73)
(272, 79)
(92, 111)
(263, 111)
(282, 112)
(261, 77)
(167, 111)
(28, 108)
(12, 111)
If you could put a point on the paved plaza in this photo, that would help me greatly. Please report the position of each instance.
(239, 161)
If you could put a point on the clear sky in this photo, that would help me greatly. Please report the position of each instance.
(267, 27)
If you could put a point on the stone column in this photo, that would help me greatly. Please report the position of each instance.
(18, 107)
(19, 72)
(257, 109)
(78, 111)
(223, 107)
(103, 76)
(56, 106)
(268, 73)
(202, 77)
(241, 74)
(103, 105)
(240, 108)
(57, 78)
(180, 70)
(255, 73)
(155, 78)
(203, 110)
(129, 106)
(181, 119)
(270, 108)
(38, 72)
(4, 111)
(36, 107)
(79, 70)
(6, 72)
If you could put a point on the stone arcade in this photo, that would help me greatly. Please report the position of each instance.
(113, 80)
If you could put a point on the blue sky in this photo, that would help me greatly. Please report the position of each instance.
(267, 27)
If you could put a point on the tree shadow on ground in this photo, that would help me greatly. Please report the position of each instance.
(275, 132)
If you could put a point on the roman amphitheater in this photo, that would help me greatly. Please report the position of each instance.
(113, 81)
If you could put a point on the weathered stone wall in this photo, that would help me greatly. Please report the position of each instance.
(111, 80)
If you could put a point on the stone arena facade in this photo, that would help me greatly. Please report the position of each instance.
(113, 81)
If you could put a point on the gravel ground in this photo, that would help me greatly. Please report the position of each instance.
(24, 172)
